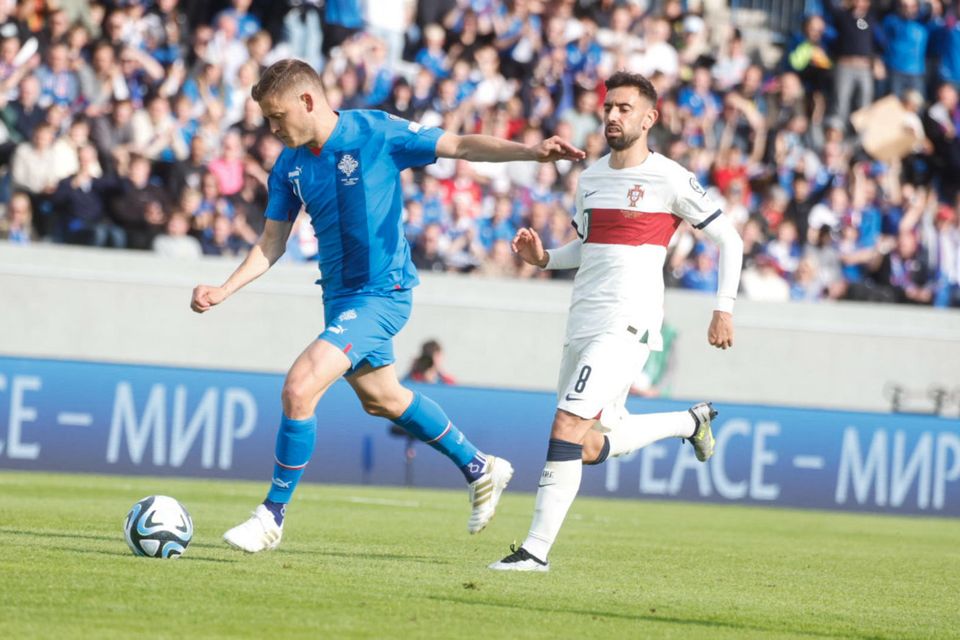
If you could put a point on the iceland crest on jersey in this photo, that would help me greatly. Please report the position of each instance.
(347, 166)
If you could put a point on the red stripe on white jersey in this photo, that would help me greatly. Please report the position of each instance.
(633, 228)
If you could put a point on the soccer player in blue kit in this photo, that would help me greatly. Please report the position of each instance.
(344, 169)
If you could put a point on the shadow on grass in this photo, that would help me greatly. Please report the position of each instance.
(54, 534)
(127, 554)
(363, 555)
(101, 538)
(707, 624)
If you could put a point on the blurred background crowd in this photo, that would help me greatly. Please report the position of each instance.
(831, 142)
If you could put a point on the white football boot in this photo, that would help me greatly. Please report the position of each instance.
(485, 492)
(520, 560)
(259, 533)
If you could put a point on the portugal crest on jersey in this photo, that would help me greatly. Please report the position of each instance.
(635, 193)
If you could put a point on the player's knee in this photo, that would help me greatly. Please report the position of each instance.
(591, 450)
(384, 407)
(296, 397)
(568, 427)
(374, 407)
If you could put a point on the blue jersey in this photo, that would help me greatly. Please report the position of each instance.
(351, 189)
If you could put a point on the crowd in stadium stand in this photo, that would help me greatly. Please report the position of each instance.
(129, 124)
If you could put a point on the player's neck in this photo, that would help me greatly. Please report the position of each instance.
(634, 155)
(326, 123)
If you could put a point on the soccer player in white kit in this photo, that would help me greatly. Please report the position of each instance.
(629, 203)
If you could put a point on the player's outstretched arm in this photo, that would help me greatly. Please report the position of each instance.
(483, 148)
(262, 256)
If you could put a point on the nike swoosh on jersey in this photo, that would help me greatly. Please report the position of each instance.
(587, 194)
(572, 398)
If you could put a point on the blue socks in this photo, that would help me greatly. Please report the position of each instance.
(423, 419)
(277, 509)
(295, 442)
(426, 421)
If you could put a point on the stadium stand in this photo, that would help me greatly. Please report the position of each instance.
(830, 137)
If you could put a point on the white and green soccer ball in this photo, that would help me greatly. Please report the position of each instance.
(158, 527)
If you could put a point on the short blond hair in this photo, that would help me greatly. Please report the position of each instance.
(284, 75)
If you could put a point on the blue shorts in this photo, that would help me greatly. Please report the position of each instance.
(363, 325)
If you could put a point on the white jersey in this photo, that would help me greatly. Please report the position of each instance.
(625, 219)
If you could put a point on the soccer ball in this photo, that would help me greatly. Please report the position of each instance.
(158, 527)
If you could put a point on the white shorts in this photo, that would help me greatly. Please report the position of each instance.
(596, 375)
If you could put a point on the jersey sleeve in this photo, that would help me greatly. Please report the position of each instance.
(579, 216)
(691, 201)
(411, 144)
(283, 205)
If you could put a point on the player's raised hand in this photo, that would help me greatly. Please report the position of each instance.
(556, 148)
(720, 333)
(205, 297)
(529, 247)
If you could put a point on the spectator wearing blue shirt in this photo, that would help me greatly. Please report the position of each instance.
(701, 103)
(413, 225)
(498, 226)
(907, 33)
(703, 276)
(434, 208)
(945, 42)
(518, 38)
(58, 84)
(341, 20)
(585, 54)
(247, 23)
(432, 56)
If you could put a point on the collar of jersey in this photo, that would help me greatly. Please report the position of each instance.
(636, 166)
(333, 134)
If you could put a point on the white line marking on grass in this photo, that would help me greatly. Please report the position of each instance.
(383, 502)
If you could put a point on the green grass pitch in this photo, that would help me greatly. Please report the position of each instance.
(372, 562)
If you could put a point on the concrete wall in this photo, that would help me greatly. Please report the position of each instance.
(117, 306)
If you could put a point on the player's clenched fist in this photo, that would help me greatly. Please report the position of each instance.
(529, 247)
(205, 297)
(720, 333)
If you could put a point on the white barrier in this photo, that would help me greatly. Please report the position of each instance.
(119, 306)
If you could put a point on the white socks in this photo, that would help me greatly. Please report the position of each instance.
(560, 480)
(636, 431)
(559, 485)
